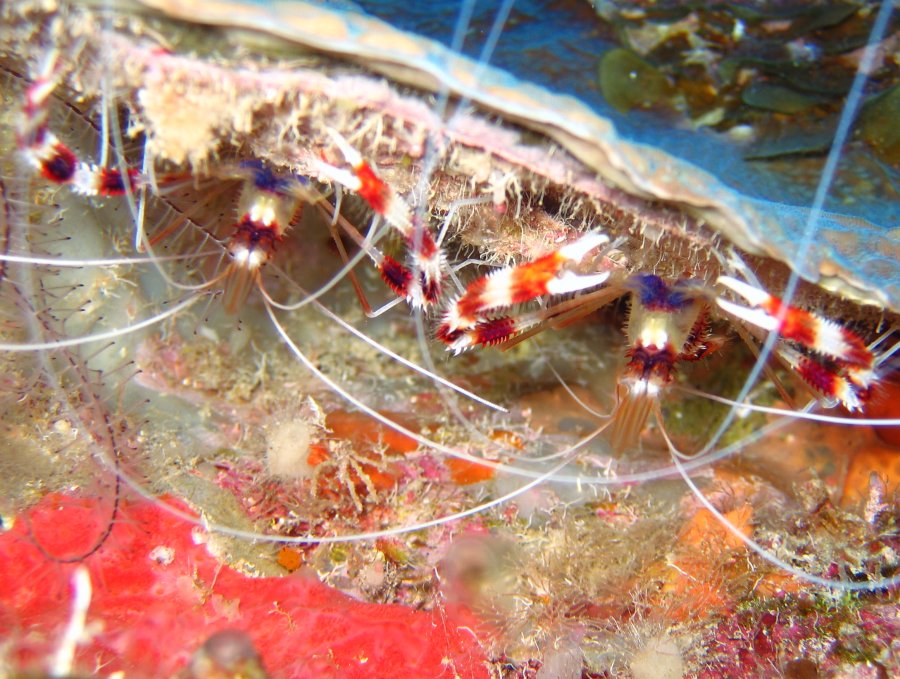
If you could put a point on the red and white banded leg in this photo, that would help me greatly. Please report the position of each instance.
(845, 367)
(51, 158)
(837, 383)
(420, 280)
(468, 322)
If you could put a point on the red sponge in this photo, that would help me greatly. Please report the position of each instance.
(157, 596)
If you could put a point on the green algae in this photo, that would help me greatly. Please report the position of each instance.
(627, 81)
(878, 125)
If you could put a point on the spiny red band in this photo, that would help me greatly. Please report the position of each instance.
(529, 281)
(818, 376)
(494, 331)
(110, 182)
(372, 189)
(797, 325)
(431, 288)
(60, 166)
(859, 354)
(645, 362)
(396, 276)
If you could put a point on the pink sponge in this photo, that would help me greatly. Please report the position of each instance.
(157, 596)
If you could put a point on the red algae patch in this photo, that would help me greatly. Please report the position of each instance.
(148, 615)
(877, 458)
(365, 431)
(887, 404)
(465, 473)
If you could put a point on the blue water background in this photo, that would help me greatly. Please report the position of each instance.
(558, 45)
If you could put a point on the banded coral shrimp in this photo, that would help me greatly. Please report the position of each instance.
(42, 149)
(592, 539)
(40, 270)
